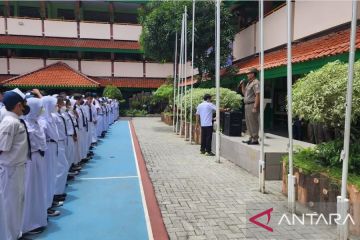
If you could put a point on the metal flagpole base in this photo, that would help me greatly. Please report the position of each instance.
(291, 193)
(342, 210)
(262, 176)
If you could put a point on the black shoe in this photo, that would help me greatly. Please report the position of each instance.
(70, 178)
(209, 154)
(61, 195)
(202, 152)
(53, 213)
(73, 173)
(254, 143)
(56, 204)
(35, 231)
(75, 168)
(59, 199)
(24, 238)
(248, 141)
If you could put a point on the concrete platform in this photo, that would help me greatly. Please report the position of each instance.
(247, 156)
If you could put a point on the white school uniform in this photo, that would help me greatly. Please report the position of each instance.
(62, 165)
(100, 121)
(77, 123)
(94, 107)
(48, 124)
(82, 131)
(14, 147)
(35, 214)
(70, 144)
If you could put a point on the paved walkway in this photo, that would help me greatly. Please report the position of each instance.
(105, 201)
(201, 199)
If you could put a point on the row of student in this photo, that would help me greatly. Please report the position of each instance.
(44, 142)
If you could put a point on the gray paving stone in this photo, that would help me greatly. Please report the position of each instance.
(201, 199)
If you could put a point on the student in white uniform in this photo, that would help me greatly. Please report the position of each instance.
(62, 165)
(71, 138)
(100, 119)
(48, 123)
(14, 151)
(75, 117)
(82, 120)
(35, 210)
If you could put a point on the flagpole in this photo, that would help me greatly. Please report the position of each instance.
(291, 177)
(181, 75)
(262, 154)
(217, 79)
(175, 72)
(192, 71)
(185, 70)
(343, 201)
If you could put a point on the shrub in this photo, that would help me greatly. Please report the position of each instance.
(320, 96)
(135, 113)
(112, 92)
(228, 98)
(164, 95)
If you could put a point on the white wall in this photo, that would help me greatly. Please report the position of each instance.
(3, 66)
(157, 70)
(314, 16)
(60, 29)
(95, 30)
(97, 68)
(126, 32)
(2, 25)
(72, 63)
(244, 43)
(22, 65)
(128, 69)
(29, 27)
(310, 17)
(275, 30)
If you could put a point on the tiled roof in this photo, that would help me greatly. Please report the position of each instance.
(3, 78)
(55, 75)
(68, 42)
(325, 46)
(131, 82)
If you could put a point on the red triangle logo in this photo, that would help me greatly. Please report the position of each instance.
(268, 214)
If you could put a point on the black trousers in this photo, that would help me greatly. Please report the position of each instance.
(206, 139)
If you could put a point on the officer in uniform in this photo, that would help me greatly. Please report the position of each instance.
(14, 151)
(251, 92)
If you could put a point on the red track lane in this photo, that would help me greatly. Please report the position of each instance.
(156, 220)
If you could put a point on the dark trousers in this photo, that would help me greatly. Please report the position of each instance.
(206, 139)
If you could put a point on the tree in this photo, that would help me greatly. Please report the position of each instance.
(112, 92)
(320, 96)
(161, 19)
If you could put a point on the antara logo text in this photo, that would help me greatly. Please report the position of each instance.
(293, 219)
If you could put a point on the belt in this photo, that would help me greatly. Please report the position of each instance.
(41, 152)
(51, 140)
(249, 103)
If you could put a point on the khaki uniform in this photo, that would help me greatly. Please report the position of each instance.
(252, 119)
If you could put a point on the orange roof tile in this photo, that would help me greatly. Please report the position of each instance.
(55, 75)
(325, 46)
(131, 82)
(68, 42)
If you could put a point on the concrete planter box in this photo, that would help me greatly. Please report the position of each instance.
(167, 119)
(318, 192)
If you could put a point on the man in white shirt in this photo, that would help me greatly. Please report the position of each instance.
(14, 151)
(205, 111)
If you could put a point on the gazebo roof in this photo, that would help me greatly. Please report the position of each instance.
(57, 75)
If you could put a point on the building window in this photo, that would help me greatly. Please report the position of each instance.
(96, 56)
(95, 16)
(126, 18)
(29, 53)
(66, 14)
(3, 52)
(128, 57)
(31, 12)
(63, 54)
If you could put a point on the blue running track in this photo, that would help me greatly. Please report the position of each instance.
(105, 202)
